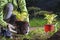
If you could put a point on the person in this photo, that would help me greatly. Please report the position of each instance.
(6, 8)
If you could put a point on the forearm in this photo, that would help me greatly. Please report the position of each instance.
(2, 4)
(2, 22)
(22, 5)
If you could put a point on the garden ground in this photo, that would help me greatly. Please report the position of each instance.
(37, 32)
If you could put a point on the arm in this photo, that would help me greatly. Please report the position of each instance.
(2, 22)
(22, 6)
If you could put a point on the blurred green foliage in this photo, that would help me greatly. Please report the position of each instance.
(37, 22)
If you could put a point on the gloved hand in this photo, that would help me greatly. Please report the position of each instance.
(11, 27)
(7, 32)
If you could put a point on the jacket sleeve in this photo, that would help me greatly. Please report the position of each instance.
(22, 5)
(2, 22)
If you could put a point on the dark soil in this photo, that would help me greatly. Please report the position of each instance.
(56, 36)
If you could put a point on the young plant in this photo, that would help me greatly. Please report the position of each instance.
(50, 18)
(49, 27)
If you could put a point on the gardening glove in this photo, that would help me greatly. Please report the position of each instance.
(11, 27)
(6, 33)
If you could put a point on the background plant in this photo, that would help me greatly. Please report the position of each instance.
(50, 18)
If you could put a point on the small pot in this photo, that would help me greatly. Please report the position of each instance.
(49, 28)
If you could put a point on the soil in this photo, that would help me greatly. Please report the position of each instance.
(32, 28)
(56, 36)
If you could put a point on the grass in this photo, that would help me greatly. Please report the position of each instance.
(39, 33)
(37, 22)
(36, 34)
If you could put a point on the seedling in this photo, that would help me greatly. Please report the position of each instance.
(49, 27)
